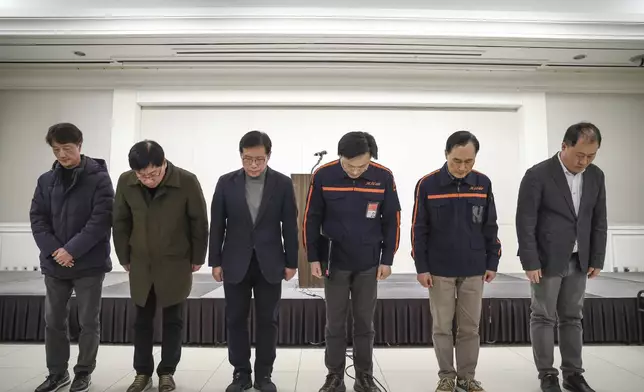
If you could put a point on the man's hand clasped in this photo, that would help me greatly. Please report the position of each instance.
(62, 257)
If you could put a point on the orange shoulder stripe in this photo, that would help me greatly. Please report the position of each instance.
(308, 200)
(413, 223)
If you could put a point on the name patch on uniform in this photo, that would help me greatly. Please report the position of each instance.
(372, 209)
(477, 214)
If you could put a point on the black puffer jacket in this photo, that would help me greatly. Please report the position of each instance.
(78, 219)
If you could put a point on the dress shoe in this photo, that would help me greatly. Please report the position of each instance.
(365, 383)
(550, 383)
(264, 384)
(577, 383)
(81, 383)
(241, 382)
(54, 382)
(333, 383)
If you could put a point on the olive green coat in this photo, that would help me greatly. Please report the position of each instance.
(161, 237)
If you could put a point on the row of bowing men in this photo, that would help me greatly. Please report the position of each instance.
(157, 217)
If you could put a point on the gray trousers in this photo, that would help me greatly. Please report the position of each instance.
(88, 297)
(363, 288)
(562, 298)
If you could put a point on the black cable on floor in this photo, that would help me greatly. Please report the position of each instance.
(348, 355)
(346, 371)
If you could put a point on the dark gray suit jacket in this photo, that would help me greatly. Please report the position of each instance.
(547, 225)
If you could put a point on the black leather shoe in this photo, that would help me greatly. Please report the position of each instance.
(333, 383)
(241, 382)
(550, 383)
(365, 383)
(54, 382)
(81, 383)
(264, 384)
(577, 383)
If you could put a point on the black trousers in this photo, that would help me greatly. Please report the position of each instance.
(360, 289)
(267, 297)
(144, 337)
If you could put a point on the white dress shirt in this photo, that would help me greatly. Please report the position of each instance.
(575, 183)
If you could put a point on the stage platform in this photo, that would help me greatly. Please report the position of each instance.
(402, 316)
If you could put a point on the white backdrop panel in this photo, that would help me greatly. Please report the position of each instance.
(411, 143)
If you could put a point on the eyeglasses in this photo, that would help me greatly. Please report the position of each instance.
(250, 160)
(149, 175)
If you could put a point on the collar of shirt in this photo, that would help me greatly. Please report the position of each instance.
(447, 177)
(565, 169)
(369, 174)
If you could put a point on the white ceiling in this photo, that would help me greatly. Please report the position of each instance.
(492, 34)
(538, 6)
(225, 52)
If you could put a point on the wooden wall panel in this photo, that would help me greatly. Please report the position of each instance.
(301, 184)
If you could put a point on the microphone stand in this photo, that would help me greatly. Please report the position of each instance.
(318, 162)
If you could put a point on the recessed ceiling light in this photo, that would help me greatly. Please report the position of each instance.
(79, 53)
(579, 57)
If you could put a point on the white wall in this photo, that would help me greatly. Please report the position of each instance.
(411, 144)
(513, 137)
(25, 116)
(620, 119)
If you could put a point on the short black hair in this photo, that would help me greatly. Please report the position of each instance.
(256, 139)
(354, 144)
(146, 153)
(584, 130)
(64, 133)
(461, 138)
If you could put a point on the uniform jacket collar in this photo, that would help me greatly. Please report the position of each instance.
(446, 178)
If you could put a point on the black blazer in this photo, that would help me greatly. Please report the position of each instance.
(547, 225)
(274, 236)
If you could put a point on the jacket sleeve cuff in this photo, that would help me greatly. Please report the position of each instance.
(492, 264)
(71, 249)
(530, 264)
(387, 259)
(292, 264)
(312, 255)
(596, 263)
(421, 267)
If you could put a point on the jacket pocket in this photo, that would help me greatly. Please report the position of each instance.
(439, 213)
(372, 205)
(335, 202)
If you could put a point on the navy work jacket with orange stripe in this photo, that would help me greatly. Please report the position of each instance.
(454, 229)
(360, 218)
